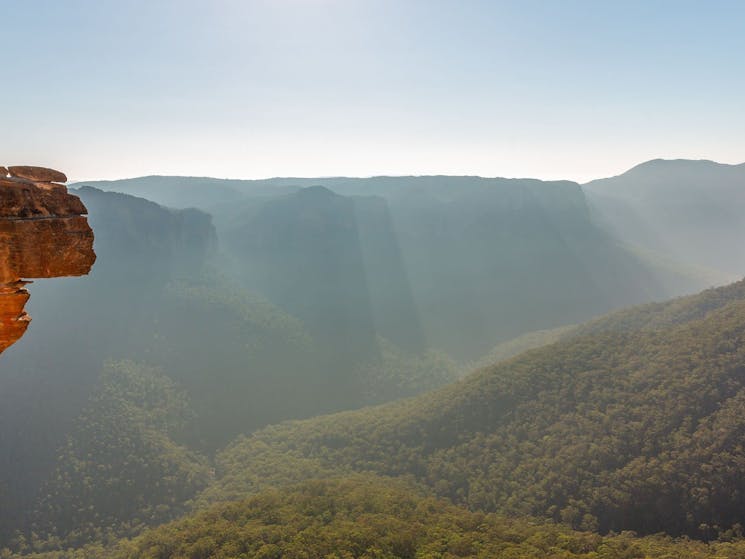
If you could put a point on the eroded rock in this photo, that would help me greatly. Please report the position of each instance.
(40, 174)
(45, 248)
(43, 234)
(22, 199)
(13, 319)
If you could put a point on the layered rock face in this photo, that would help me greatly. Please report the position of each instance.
(43, 234)
(13, 319)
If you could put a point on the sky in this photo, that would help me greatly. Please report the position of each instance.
(564, 89)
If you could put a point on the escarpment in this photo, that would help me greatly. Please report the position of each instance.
(43, 234)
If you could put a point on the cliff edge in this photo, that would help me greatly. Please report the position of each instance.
(43, 234)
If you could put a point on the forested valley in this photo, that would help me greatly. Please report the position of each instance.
(387, 367)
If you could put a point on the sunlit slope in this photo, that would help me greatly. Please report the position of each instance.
(692, 211)
(367, 516)
(637, 425)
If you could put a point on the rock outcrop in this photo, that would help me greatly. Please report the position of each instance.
(43, 234)
(22, 198)
(40, 174)
(13, 319)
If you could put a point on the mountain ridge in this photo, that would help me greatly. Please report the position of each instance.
(335, 178)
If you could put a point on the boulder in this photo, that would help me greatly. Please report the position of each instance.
(40, 174)
(3, 172)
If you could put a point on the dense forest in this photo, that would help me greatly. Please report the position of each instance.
(122, 464)
(369, 517)
(629, 424)
(632, 424)
(164, 432)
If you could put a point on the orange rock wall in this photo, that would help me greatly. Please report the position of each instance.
(45, 248)
(43, 234)
(13, 319)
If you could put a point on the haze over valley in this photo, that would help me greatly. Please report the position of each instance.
(490, 303)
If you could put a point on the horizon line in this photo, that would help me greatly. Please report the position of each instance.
(377, 176)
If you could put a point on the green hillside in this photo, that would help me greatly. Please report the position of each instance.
(634, 425)
(369, 517)
(647, 317)
(122, 466)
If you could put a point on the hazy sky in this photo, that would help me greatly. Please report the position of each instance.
(242, 88)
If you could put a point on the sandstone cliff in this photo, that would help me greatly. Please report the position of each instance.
(43, 234)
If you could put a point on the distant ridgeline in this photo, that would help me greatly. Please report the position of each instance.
(690, 211)
(452, 263)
